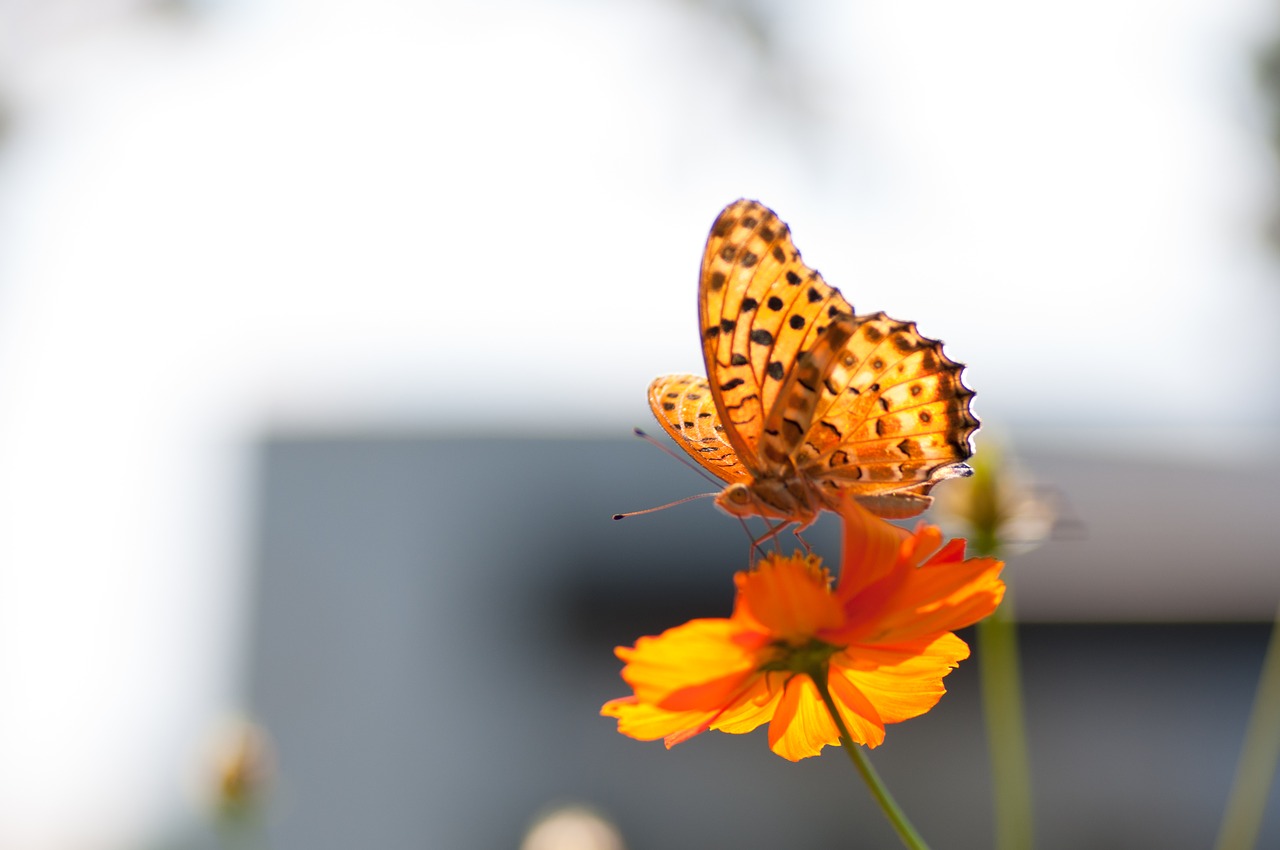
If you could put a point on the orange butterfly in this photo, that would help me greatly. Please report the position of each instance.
(805, 401)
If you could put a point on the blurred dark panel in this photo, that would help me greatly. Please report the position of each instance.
(432, 641)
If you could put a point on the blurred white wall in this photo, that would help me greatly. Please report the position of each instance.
(488, 218)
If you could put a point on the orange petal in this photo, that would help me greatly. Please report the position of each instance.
(901, 681)
(745, 712)
(801, 725)
(754, 707)
(923, 543)
(861, 716)
(698, 666)
(943, 597)
(789, 597)
(912, 603)
(871, 547)
(646, 722)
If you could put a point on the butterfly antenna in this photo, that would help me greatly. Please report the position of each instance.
(684, 460)
(663, 507)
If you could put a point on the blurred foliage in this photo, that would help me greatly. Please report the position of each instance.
(1267, 69)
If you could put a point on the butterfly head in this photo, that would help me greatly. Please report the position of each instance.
(738, 500)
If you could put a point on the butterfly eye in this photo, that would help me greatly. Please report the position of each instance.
(738, 494)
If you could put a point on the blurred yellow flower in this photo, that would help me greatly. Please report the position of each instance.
(998, 508)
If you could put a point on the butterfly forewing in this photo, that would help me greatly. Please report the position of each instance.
(760, 306)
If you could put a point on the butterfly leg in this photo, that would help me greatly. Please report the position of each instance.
(774, 533)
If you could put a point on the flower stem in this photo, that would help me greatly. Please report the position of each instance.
(997, 641)
(896, 817)
(1258, 756)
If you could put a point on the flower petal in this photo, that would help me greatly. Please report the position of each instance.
(698, 666)
(902, 681)
(911, 603)
(871, 548)
(943, 597)
(862, 717)
(789, 597)
(753, 707)
(646, 722)
(801, 726)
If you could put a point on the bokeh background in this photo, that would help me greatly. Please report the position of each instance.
(323, 325)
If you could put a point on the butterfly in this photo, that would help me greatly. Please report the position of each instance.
(805, 402)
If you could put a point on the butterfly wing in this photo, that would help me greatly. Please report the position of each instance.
(684, 406)
(892, 418)
(759, 307)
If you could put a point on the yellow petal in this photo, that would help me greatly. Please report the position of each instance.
(902, 681)
(697, 666)
(646, 722)
(754, 707)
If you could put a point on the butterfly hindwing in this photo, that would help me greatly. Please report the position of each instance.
(895, 413)
(684, 407)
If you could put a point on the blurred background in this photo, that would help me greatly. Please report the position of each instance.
(323, 326)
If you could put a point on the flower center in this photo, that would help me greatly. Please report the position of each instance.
(809, 658)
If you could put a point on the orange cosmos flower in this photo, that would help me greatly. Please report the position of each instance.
(881, 638)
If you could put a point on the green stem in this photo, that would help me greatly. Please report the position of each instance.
(998, 669)
(896, 817)
(1258, 757)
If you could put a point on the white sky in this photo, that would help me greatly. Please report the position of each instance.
(488, 218)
